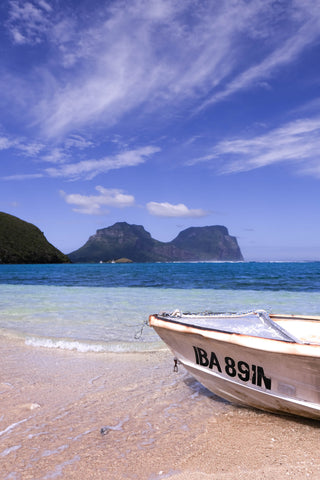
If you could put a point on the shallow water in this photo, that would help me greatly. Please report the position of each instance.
(61, 408)
(103, 307)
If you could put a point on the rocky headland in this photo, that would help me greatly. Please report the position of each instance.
(122, 240)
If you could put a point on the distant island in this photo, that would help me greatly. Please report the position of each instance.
(133, 242)
(23, 242)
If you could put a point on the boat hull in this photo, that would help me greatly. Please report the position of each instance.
(271, 375)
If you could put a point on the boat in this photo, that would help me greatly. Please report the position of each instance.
(266, 361)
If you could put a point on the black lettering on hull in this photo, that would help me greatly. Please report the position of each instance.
(241, 369)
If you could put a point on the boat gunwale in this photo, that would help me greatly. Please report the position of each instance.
(288, 316)
(271, 345)
(201, 327)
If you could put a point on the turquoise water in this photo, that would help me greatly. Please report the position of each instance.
(101, 307)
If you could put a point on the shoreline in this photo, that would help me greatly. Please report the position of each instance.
(114, 416)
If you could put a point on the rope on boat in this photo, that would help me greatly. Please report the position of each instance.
(139, 333)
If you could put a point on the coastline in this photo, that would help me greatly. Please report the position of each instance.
(155, 423)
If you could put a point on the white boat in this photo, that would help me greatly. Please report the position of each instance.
(269, 362)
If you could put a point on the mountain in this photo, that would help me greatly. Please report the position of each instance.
(22, 242)
(209, 243)
(133, 242)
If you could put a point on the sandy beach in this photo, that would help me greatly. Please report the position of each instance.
(129, 416)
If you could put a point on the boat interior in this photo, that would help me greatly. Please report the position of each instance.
(290, 328)
(305, 329)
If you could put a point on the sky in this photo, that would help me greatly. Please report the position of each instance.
(163, 113)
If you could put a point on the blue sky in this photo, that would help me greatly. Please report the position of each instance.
(166, 114)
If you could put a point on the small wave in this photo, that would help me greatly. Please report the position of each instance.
(93, 347)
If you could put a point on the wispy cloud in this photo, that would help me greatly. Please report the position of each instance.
(286, 53)
(6, 143)
(78, 141)
(166, 60)
(95, 204)
(89, 169)
(154, 55)
(73, 148)
(28, 20)
(22, 176)
(20, 145)
(56, 156)
(166, 209)
(297, 143)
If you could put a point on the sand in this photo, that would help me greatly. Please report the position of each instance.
(67, 415)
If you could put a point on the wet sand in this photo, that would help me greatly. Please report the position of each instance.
(129, 416)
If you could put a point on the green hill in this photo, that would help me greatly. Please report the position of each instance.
(22, 242)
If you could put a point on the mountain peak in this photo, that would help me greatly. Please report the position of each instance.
(134, 242)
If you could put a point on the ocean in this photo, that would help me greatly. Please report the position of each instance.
(104, 307)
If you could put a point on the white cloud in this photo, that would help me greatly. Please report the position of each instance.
(60, 158)
(78, 141)
(166, 209)
(152, 55)
(56, 156)
(29, 149)
(20, 144)
(285, 54)
(6, 143)
(28, 20)
(94, 204)
(45, 5)
(147, 56)
(90, 168)
(297, 142)
(27, 176)
(164, 61)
